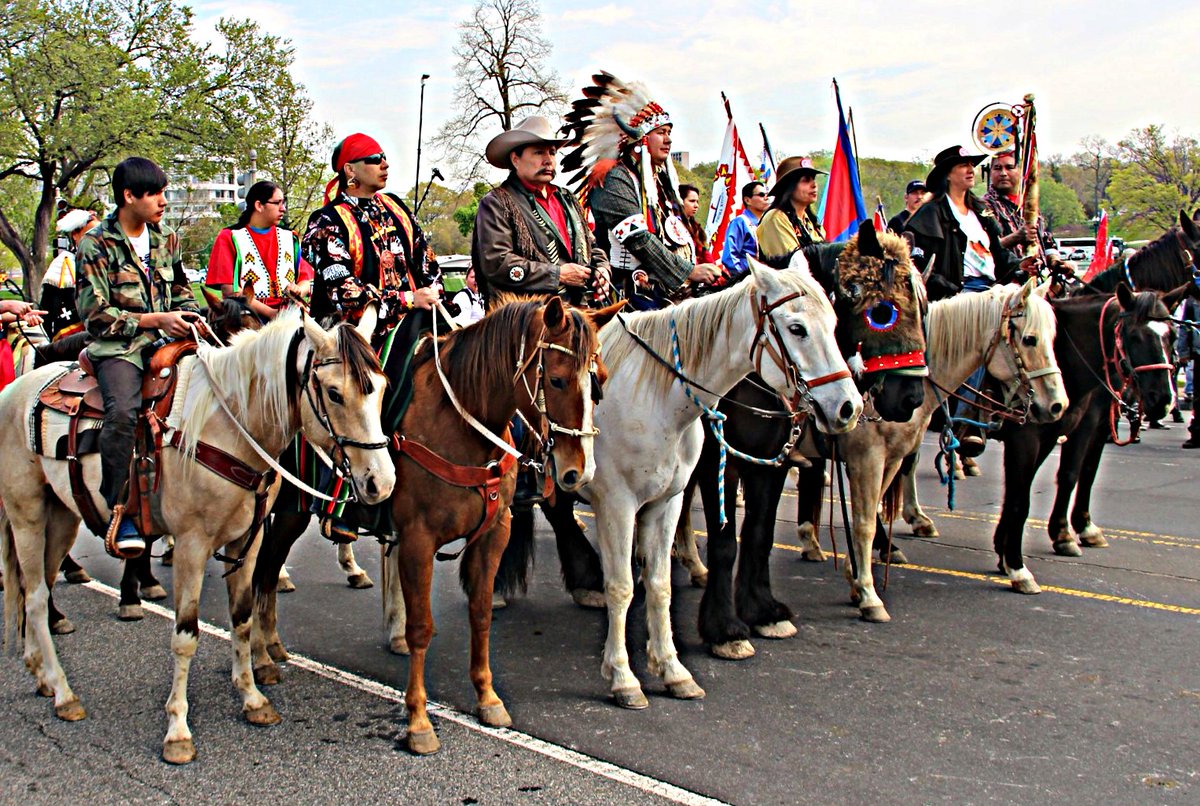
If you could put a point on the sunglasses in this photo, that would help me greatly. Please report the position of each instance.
(373, 159)
(758, 195)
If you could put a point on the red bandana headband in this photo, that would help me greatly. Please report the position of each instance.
(352, 149)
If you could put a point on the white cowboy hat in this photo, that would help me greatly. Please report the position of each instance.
(534, 129)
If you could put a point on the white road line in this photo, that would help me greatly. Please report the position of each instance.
(557, 752)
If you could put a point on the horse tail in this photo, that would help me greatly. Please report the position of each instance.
(892, 500)
(14, 592)
(516, 562)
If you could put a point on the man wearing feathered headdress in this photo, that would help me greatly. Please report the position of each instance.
(627, 180)
(531, 237)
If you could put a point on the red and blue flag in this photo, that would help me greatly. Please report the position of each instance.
(842, 206)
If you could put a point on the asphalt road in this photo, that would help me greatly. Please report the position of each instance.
(1087, 693)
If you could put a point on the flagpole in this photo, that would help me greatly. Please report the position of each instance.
(767, 147)
(853, 141)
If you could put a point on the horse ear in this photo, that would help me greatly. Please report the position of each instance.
(1028, 288)
(315, 334)
(1188, 225)
(554, 314)
(1124, 296)
(765, 279)
(1172, 298)
(603, 316)
(868, 244)
(370, 319)
(212, 297)
(248, 291)
(1043, 289)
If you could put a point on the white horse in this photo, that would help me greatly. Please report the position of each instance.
(778, 324)
(1010, 330)
(261, 391)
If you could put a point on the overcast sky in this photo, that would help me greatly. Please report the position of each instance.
(915, 73)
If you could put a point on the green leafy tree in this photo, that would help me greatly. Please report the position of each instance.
(1156, 179)
(1058, 204)
(87, 82)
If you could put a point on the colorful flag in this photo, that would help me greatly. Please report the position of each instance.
(766, 161)
(733, 171)
(842, 206)
(1100, 259)
(880, 216)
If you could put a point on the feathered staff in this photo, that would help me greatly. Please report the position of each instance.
(1029, 178)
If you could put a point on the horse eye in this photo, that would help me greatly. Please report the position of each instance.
(558, 383)
(797, 329)
(336, 397)
(1029, 341)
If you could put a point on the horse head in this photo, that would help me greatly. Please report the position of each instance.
(232, 315)
(1027, 365)
(341, 386)
(880, 301)
(564, 374)
(794, 348)
(1143, 347)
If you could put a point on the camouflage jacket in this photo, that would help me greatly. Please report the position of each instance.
(113, 289)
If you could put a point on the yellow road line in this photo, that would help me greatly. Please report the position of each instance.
(998, 580)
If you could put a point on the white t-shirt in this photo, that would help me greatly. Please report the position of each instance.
(141, 246)
(977, 260)
(471, 307)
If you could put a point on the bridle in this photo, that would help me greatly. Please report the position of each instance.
(1127, 373)
(537, 392)
(768, 339)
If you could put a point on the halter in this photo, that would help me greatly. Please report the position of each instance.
(1125, 371)
(764, 325)
(537, 393)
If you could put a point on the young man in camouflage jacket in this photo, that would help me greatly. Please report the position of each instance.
(131, 291)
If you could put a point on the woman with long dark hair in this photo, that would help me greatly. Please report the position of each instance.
(689, 202)
(790, 223)
(257, 253)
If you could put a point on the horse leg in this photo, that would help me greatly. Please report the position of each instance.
(73, 572)
(1089, 533)
(129, 607)
(684, 546)
(865, 485)
(414, 557)
(581, 570)
(615, 532)
(727, 635)
(284, 584)
(356, 577)
(1070, 464)
(191, 554)
(239, 586)
(168, 555)
(478, 572)
(279, 535)
(810, 495)
(656, 531)
(61, 527)
(756, 604)
(151, 589)
(1024, 452)
(395, 611)
(912, 513)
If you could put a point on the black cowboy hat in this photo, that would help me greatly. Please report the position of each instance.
(946, 159)
(792, 169)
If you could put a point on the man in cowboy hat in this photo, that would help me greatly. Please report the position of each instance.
(530, 236)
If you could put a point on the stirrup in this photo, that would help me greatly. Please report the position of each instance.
(338, 531)
(110, 536)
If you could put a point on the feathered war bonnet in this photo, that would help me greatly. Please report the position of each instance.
(608, 123)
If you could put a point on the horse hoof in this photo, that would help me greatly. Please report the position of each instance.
(359, 581)
(285, 585)
(179, 751)
(592, 600)
(924, 529)
(77, 577)
(700, 580)
(495, 716)
(685, 690)
(780, 629)
(398, 646)
(132, 612)
(814, 555)
(1093, 540)
(733, 650)
(898, 557)
(631, 698)
(70, 711)
(62, 627)
(44, 690)
(972, 470)
(263, 715)
(498, 602)
(277, 653)
(959, 475)
(154, 593)
(168, 559)
(1067, 548)
(1026, 586)
(876, 614)
(267, 675)
(424, 743)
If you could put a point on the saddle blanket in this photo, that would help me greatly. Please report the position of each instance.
(48, 427)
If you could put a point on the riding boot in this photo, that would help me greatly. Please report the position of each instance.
(121, 387)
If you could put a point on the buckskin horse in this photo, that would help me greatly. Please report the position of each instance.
(233, 409)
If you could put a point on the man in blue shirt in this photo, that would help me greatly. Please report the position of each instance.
(740, 241)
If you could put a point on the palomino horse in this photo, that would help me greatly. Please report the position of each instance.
(880, 300)
(252, 397)
(454, 481)
(667, 367)
(1102, 342)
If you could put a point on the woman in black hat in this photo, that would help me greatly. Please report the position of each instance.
(958, 232)
(790, 223)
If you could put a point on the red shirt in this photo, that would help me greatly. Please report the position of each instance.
(547, 199)
(223, 256)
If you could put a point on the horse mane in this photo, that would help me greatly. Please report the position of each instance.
(252, 354)
(360, 361)
(961, 325)
(699, 322)
(483, 356)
